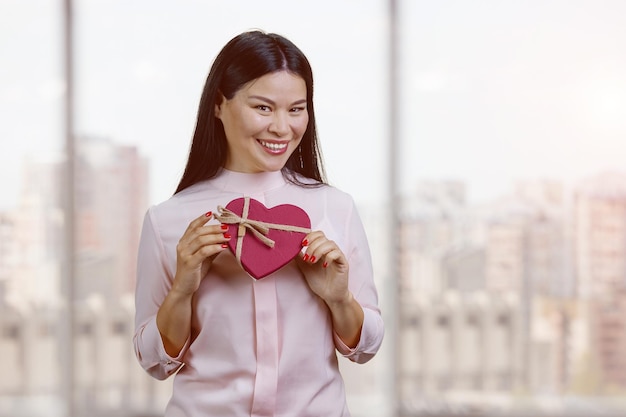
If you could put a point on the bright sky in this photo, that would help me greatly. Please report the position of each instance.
(492, 91)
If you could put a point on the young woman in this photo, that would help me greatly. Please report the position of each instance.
(240, 346)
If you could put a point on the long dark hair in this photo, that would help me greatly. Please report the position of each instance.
(244, 58)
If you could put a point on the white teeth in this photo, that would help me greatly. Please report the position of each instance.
(273, 146)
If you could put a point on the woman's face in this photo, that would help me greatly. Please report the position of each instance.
(264, 122)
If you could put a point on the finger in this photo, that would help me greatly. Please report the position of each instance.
(208, 251)
(200, 221)
(317, 249)
(212, 237)
(198, 231)
(208, 240)
(311, 242)
(193, 257)
(325, 251)
(312, 236)
(336, 258)
(195, 224)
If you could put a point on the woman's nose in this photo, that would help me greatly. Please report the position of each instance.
(280, 124)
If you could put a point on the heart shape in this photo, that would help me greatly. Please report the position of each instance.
(257, 258)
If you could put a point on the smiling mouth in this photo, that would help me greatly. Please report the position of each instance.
(273, 147)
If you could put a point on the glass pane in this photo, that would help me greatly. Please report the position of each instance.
(515, 198)
(31, 141)
(139, 71)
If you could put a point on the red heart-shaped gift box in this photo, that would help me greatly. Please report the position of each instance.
(257, 258)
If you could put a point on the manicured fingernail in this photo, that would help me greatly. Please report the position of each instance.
(325, 264)
(313, 259)
(209, 213)
(227, 235)
(224, 227)
(306, 256)
(224, 245)
(305, 242)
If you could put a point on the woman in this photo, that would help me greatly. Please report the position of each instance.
(240, 346)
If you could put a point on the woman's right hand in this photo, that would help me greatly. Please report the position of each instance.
(195, 252)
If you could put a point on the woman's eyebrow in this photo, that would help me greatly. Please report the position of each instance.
(273, 103)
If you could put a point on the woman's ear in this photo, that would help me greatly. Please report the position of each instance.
(219, 99)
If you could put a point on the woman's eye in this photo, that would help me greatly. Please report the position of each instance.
(263, 107)
(297, 109)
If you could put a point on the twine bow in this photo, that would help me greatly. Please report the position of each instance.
(258, 228)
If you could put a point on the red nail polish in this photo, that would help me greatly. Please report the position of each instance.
(313, 259)
(227, 235)
(224, 227)
(306, 256)
(224, 245)
(325, 264)
(209, 213)
(305, 242)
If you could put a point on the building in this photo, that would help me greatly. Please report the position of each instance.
(527, 245)
(112, 184)
(38, 236)
(8, 255)
(111, 200)
(474, 289)
(433, 220)
(600, 234)
(600, 255)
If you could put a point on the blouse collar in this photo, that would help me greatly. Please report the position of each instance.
(246, 183)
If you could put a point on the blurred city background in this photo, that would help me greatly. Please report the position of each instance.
(484, 142)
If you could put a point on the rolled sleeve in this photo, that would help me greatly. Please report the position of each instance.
(371, 338)
(151, 352)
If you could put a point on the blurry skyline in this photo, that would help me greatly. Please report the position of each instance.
(492, 92)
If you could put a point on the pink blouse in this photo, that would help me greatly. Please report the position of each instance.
(257, 348)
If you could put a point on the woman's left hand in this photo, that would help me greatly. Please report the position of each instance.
(325, 268)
